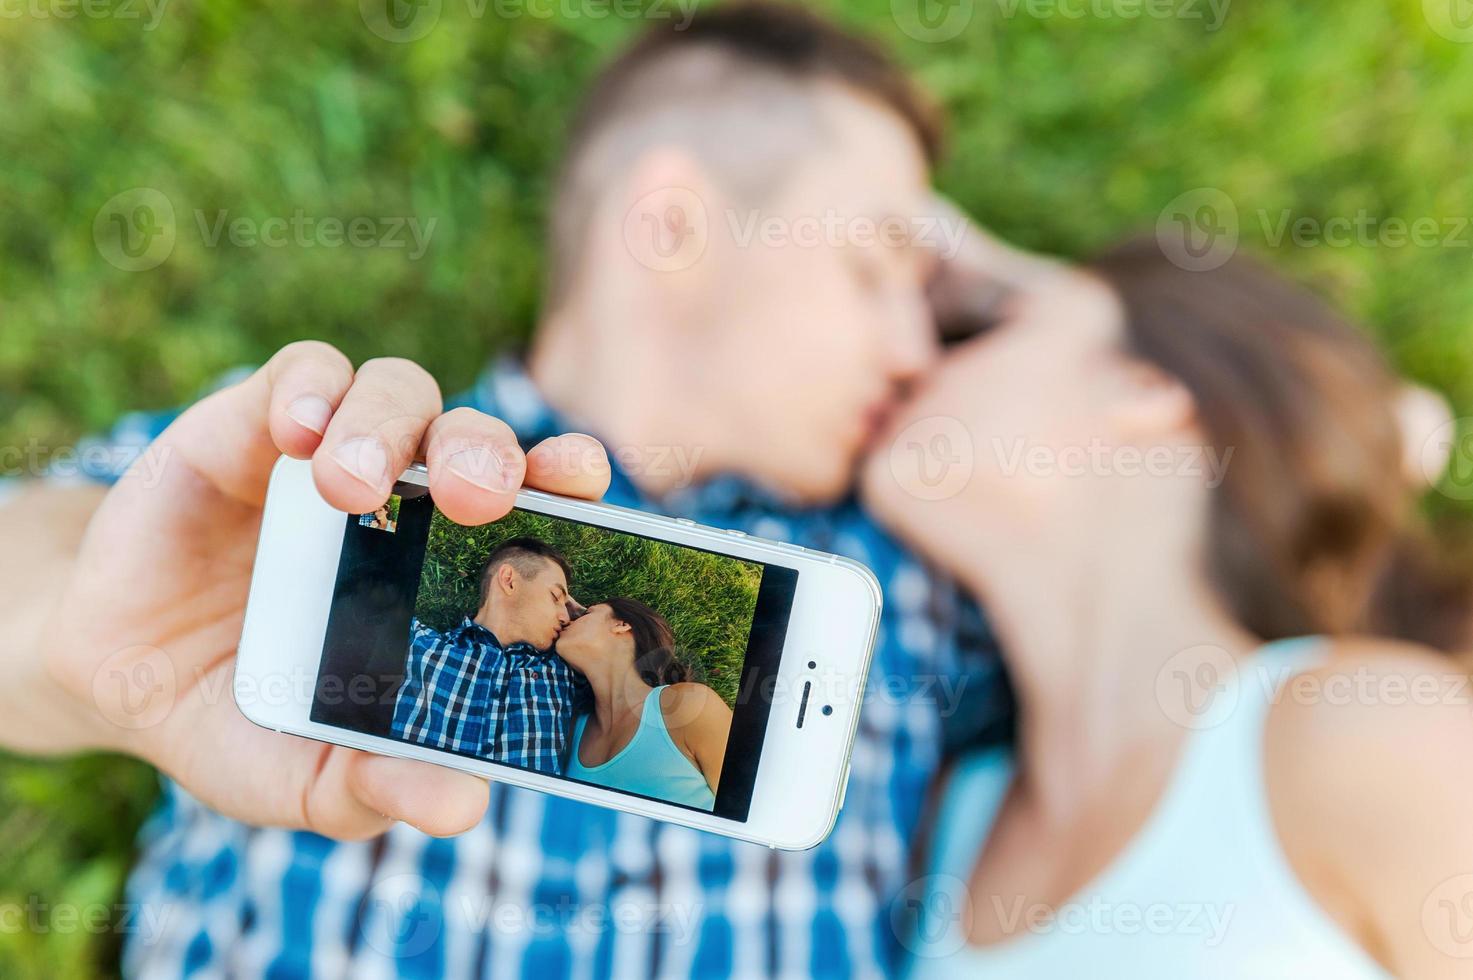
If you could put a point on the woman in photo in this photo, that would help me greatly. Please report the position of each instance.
(650, 730)
(1191, 511)
(379, 519)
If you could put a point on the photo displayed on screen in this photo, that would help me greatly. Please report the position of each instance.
(556, 646)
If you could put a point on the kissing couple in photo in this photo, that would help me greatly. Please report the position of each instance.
(533, 679)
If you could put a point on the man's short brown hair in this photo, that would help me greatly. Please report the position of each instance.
(737, 55)
(781, 36)
(527, 556)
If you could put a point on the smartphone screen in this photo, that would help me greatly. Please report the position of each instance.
(557, 646)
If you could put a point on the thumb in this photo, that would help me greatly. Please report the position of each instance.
(439, 801)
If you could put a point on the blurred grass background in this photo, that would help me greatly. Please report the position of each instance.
(707, 599)
(1067, 131)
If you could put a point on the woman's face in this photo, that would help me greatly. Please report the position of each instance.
(1016, 428)
(594, 636)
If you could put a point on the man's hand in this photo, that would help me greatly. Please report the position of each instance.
(141, 647)
(977, 277)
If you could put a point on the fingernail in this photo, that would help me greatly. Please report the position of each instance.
(481, 467)
(583, 438)
(311, 412)
(365, 459)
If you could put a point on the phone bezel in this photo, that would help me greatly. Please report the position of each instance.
(802, 773)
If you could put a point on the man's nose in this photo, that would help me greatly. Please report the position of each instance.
(914, 347)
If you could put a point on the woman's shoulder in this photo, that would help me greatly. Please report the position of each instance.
(1368, 768)
(688, 692)
(1370, 692)
(1364, 709)
(689, 703)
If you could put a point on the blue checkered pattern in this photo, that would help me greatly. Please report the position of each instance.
(547, 887)
(464, 692)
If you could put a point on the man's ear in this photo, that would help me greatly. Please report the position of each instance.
(1150, 404)
(506, 579)
(671, 210)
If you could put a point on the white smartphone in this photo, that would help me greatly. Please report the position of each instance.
(691, 674)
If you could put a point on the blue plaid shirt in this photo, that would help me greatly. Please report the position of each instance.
(547, 887)
(464, 692)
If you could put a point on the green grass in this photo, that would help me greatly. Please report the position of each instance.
(1067, 133)
(707, 599)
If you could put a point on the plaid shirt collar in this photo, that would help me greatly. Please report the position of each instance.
(517, 654)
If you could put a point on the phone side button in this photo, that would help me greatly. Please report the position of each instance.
(686, 521)
(844, 787)
(735, 533)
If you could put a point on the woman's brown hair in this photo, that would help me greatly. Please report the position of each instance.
(654, 642)
(1315, 528)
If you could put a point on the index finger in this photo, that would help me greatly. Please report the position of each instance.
(572, 464)
(476, 466)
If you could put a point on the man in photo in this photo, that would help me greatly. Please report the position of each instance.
(379, 520)
(493, 687)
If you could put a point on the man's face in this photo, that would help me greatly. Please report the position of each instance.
(819, 315)
(539, 603)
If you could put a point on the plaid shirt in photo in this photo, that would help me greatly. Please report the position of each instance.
(464, 692)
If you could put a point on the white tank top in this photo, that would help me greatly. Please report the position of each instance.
(1202, 891)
